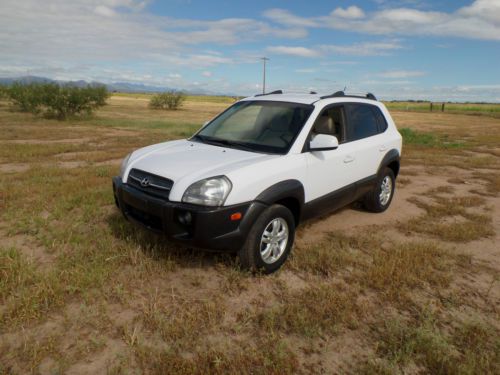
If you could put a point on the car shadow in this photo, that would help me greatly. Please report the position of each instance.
(160, 248)
(356, 206)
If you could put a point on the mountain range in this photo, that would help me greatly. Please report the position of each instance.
(114, 87)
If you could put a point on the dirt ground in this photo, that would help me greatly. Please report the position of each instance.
(415, 289)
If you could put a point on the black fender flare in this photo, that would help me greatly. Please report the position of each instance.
(390, 157)
(287, 189)
(282, 190)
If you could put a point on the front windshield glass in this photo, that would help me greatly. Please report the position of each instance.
(261, 126)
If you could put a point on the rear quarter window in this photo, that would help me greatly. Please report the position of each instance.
(382, 122)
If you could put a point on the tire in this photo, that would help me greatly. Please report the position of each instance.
(375, 200)
(257, 254)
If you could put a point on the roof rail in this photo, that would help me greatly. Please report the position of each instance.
(334, 95)
(271, 93)
(343, 94)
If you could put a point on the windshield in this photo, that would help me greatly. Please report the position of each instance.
(261, 126)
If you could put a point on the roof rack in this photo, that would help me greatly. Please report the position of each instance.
(339, 94)
(271, 93)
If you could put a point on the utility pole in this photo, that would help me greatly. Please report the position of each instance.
(264, 59)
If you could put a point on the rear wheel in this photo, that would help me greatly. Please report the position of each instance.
(379, 199)
(269, 241)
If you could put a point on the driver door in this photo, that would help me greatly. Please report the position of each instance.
(331, 174)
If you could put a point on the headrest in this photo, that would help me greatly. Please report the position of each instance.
(324, 125)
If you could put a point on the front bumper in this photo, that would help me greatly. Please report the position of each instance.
(208, 227)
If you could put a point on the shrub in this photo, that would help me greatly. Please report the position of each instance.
(57, 101)
(65, 101)
(167, 100)
(27, 98)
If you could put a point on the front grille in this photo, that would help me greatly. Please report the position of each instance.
(150, 184)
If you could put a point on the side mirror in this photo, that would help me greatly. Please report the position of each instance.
(323, 142)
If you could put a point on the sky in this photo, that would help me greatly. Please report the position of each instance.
(397, 49)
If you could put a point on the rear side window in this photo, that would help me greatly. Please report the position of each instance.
(362, 121)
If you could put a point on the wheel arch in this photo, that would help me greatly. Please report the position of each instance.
(391, 160)
(289, 193)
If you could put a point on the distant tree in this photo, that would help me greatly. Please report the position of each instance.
(56, 101)
(167, 100)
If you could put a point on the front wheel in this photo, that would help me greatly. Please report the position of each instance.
(379, 199)
(269, 241)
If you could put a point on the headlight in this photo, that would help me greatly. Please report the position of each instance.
(208, 192)
(124, 165)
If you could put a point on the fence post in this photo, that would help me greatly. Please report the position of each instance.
(442, 108)
(431, 106)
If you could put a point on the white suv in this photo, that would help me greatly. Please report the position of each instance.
(247, 178)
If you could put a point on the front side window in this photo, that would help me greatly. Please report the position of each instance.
(362, 122)
(330, 122)
(261, 126)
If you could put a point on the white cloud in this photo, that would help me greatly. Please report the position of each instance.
(388, 82)
(294, 51)
(358, 49)
(110, 40)
(398, 74)
(364, 49)
(285, 17)
(488, 10)
(306, 70)
(478, 87)
(352, 12)
(174, 75)
(71, 33)
(480, 20)
(105, 11)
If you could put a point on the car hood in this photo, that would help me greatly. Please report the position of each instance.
(186, 162)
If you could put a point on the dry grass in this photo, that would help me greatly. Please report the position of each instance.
(312, 312)
(473, 347)
(268, 356)
(403, 267)
(450, 218)
(82, 290)
(327, 257)
(181, 323)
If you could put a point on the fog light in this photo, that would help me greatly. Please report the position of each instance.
(185, 218)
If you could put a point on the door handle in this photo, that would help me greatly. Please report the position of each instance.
(348, 159)
(382, 148)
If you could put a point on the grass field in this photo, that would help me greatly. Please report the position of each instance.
(485, 109)
(413, 290)
(465, 108)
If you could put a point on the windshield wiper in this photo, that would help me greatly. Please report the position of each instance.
(228, 143)
(197, 137)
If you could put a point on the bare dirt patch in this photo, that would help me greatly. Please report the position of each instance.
(48, 141)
